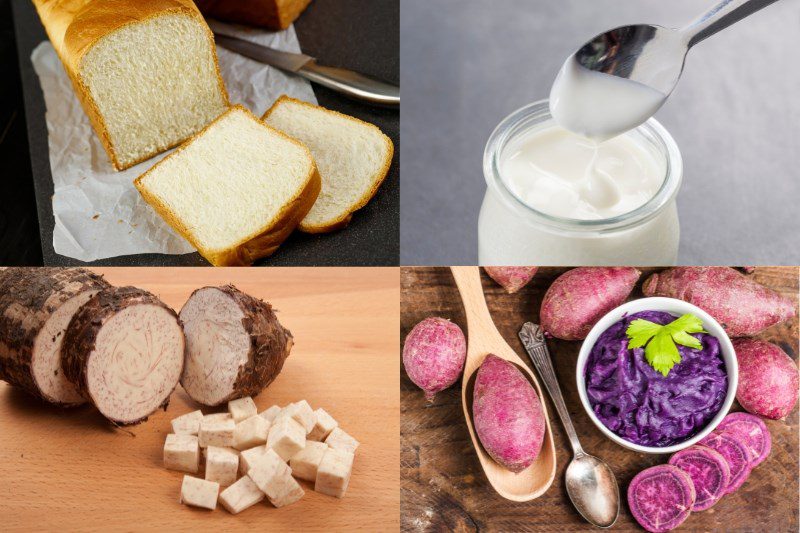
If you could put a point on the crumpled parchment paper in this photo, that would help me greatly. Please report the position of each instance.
(98, 212)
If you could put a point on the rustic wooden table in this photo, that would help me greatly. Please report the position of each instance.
(70, 470)
(443, 487)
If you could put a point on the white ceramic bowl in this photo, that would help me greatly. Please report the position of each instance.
(677, 308)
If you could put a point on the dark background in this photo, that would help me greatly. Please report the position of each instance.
(362, 35)
(19, 228)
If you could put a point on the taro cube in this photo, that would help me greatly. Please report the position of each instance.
(274, 478)
(188, 424)
(341, 440)
(182, 453)
(250, 432)
(323, 425)
(333, 474)
(305, 462)
(241, 495)
(242, 409)
(199, 492)
(222, 465)
(270, 414)
(286, 437)
(249, 458)
(301, 412)
(216, 432)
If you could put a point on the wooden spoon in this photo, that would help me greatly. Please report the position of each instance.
(483, 339)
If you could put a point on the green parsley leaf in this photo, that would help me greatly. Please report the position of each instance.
(660, 341)
(640, 331)
(661, 352)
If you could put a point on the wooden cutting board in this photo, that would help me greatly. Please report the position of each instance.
(443, 487)
(65, 470)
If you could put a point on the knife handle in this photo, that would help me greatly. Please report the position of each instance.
(352, 84)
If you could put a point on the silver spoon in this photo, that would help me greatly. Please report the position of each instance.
(591, 484)
(654, 55)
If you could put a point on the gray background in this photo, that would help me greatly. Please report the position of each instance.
(466, 64)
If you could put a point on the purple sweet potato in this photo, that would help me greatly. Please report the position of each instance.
(735, 452)
(751, 431)
(507, 413)
(709, 471)
(768, 379)
(580, 297)
(511, 279)
(661, 497)
(434, 354)
(742, 306)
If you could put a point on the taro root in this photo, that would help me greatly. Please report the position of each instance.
(235, 346)
(36, 305)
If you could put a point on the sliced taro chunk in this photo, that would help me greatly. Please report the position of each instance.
(661, 497)
(124, 350)
(709, 471)
(36, 305)
(735, 452)
(235, 345)
(751, 431)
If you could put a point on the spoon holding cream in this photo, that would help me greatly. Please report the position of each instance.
(620, 78)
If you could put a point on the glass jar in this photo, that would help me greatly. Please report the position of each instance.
(512, 233)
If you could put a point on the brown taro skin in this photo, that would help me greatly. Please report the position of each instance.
(270, 344)
(508, 415)
(433, 355)
(511, 279)
(768, 379)
(580, 297)
(742, 306)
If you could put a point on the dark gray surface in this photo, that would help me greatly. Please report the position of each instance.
(735, 115)
(362, 35)
(19, 228)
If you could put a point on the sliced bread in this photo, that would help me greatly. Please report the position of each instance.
(273, 14)
(353, 158)
(145, 72)
(236, 190)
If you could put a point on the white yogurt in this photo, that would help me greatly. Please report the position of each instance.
(562, 174)
(600, 106)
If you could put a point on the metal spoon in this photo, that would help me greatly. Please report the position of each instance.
(654, 55)
(591, 484)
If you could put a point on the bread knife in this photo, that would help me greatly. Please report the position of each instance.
(344, 81)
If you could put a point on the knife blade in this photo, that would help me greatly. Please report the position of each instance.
(344, 81)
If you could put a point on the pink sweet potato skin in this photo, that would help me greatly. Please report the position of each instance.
(507, 413)
(433, 355)
(742, 306)
(768, 379)
(511, 279)
(580, 297)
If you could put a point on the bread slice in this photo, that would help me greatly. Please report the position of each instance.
(353, 158)
(145, 72)
(272, 14)
(236, 190)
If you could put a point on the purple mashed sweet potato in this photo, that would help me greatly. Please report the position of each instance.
(641, 405)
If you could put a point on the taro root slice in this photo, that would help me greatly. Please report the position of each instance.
(36, 306)
(751, 431)
(661, 497)
(512, 279)
(123, 350)
(235, 346)
(735, 452)
(709, 471)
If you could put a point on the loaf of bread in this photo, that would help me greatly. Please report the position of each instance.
(145, 72)
(272, 14)
(236, 190)
(353, 158)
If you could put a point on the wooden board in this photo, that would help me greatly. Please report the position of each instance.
(443, 487)
(68, 470)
